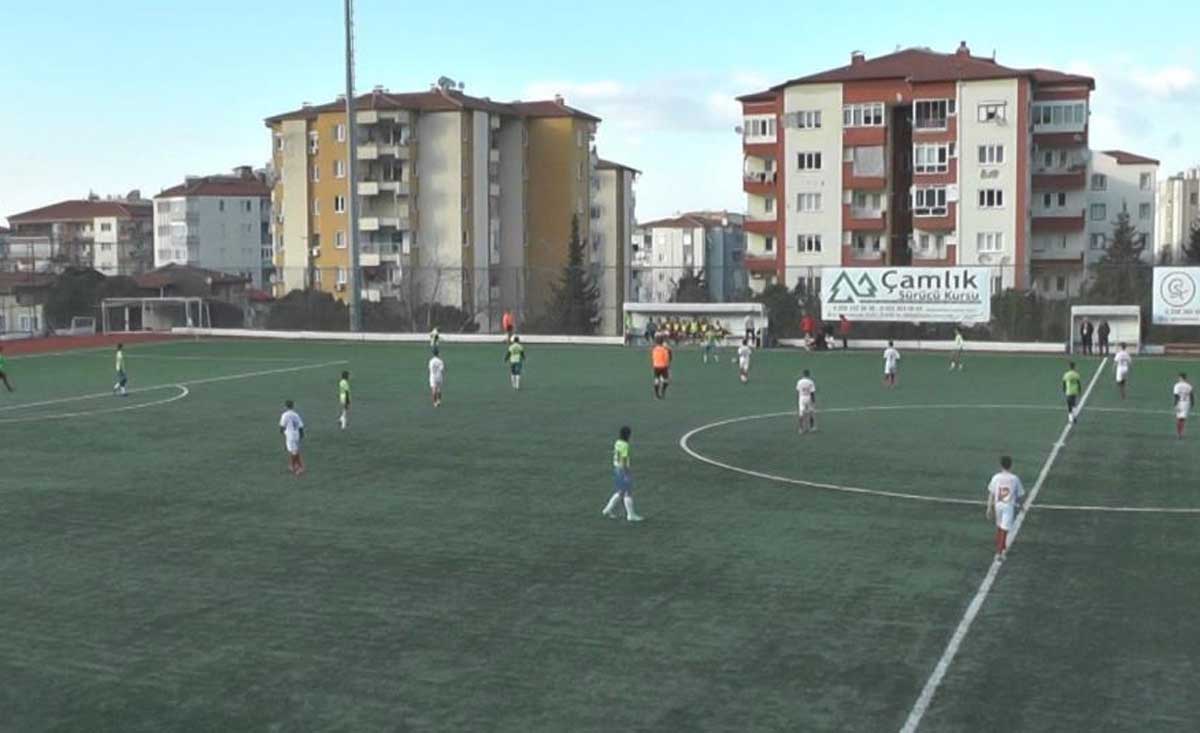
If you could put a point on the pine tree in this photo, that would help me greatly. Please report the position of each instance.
(1121, 276)
(692, 287)
(575, 301)
(1191, 248)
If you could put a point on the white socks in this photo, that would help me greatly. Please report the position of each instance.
(612, 502)
(343, 420)
(629, 513)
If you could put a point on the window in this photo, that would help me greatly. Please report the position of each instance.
(316, 173)
(808, 242)
(316, 207)
(931, 114)
(247, 206)
(1099, 182)
(930, 201)
(993, 111)
(1062, 159)
(1099, 212)
(1145, 181)
(1144, 211)
(220, 204)
(1048, 159)
(340, 133)
(863, 115)
(1062, 200)
(989, 241)
(278, 141)
(991, 154)
(341, 276)
(1059, 113)
(760, 127)
(991, 198)
(1194, 198)
(339, 204)
(931, 242)
(808, 202)
(339, 240)
(809, 119)
(769, 244)
(106, 227)
(313, 145)
(868, 202)
(808, 161)
(339, 169)
(1060, 283)
(868, 242)
(932, 158)
(769, 205)
(1097, 241)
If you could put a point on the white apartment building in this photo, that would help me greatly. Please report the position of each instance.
(1178, 211)
(669, 248)
(1120, 181)
(113, 236)
(613, 223)
(219, 223)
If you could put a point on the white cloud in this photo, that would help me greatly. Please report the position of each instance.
(1167, 82)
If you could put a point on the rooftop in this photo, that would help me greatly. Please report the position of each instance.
(1124, 158)
(217, 186)
(173, 274)
(439, 100)
(81, 210)
(603, 164)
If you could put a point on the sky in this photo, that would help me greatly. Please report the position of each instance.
(135, 94)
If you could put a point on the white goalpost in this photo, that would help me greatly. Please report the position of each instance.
(1124, 321)
(153, 314)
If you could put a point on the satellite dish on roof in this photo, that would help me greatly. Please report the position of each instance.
(739, 130)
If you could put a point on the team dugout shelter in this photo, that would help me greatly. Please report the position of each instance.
(731, 316)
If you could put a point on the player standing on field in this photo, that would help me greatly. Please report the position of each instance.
(806, 392)
(4, 373)
(1072, 387)
(622, 479)
(710, 344)
(1184, 401)
(1121, 362)
(890, 357)
(514, 356)
(344, 400)
(660, 360)
(1004, 498)
(743, 355)
(437, 370)
(122, 377)
(435, 339)
(292, 428)
(956, 362)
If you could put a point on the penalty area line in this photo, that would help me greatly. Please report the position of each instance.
(921, 706)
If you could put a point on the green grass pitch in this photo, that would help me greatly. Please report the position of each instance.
(448, 569)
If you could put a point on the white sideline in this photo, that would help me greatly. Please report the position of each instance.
(412, 338)
(921, 706)
(183, 392)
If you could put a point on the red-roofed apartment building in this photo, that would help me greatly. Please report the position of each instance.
(924, 158)
(111, 235)
(220, 223)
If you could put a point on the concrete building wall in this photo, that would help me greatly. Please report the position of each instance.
(1178, 210)
(512, 216)
(292, 226)
(440, 169)
(1128, 188)
(825, 182)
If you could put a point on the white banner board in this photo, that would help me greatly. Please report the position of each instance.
(907, 294)
(1177, 296)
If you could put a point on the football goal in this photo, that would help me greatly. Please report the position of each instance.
(153, 314)
(1124, 324)
(80, 326)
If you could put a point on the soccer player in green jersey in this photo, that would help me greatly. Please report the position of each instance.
(3, 372)
(622, 479)
(1072, 387)
(515, 358)
(344, 400)
(122, 377)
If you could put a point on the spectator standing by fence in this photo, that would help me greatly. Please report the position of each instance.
(1103, 333)
(1086, 329)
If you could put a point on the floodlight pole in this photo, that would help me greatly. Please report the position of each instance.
(352, 176)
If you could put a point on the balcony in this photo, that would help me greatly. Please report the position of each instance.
(759, 183)
(376, 151)
(1056, 224)
(1069, 181)
(494, 155)
(379, 223)
(399, 188)
(856, 218)
(368, 259)
(764, 263)
(493, 189)
(368, 188)
(869, 257)
(766, 227)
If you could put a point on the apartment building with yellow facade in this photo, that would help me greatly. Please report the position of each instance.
(463, 201)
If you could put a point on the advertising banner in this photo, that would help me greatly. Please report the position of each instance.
(907, 294)
(1175, 296)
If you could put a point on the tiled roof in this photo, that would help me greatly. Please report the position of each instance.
(438, 100)
(1124, 158)
(603, 164)
(81, 210)
(694, 220)
(218, 186)
(551, 108)
(1050, 76)
(173, 274)
(11, 281)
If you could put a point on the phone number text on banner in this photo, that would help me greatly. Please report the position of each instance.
(908, 294)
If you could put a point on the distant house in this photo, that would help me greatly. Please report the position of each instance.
(184, 281)
(110, 235)
(22, 296)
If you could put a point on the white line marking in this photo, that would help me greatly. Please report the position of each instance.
(1118, 509)
(159, 357)
(183, 392)
(921, 706)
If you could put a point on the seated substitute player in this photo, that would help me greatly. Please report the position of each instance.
(956, 361)
(743, 354)
(1121, 363)
(890, 359)
(292, 427)
(622, 479)
(437, 371)
(122, 377)
(1072, 387)
(1004, 499)
(660, 360)
(1184, 401)
(4, 372)
(344, 400)
(806, 393)
(514, 356)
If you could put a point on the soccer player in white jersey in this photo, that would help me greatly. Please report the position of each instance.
(743, 360)
(437, 371)
(292, 427)
(1004, 498)
(122, 376)
(890, 358)
(806, 392)
(1184, 400)
(956, 361)
(1121, 361)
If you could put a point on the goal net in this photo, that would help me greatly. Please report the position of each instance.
(1124, 325)
(153, 314)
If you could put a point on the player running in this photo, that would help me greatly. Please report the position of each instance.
(660, 360)
(122, 377)
(622, 479)
(1184, 401)
(344, 400)
(890, 359)
(292, 427)
(743, 356)
(437, 371)
(514, 356)
(1004, 499)
(710, 344)
(956, 361)
(435, 339)
(1072, 387)
(1122, 361)
(806, 392)
(4, 372)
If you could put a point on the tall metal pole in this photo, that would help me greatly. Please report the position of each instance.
(352, 174)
